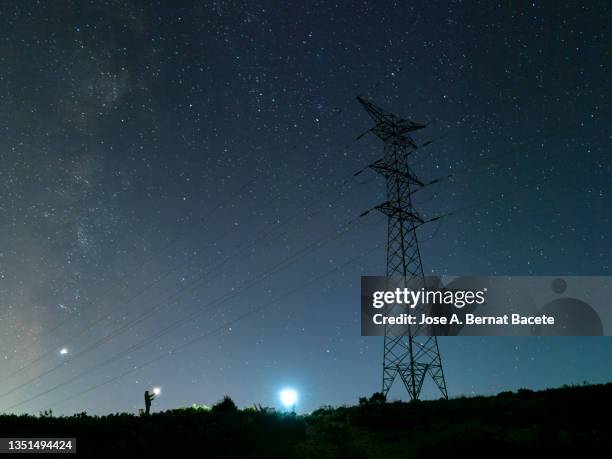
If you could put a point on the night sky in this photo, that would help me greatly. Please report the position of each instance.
(178, 170)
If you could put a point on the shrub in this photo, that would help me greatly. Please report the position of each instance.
(226, 405)
(378, 398)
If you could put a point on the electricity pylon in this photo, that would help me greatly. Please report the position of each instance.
(407, 354)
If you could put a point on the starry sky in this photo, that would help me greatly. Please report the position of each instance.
(178, 206)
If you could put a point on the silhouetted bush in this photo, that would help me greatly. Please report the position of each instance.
(377, 398)
(226, 405)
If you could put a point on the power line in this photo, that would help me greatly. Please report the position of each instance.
(161, 278)
(164, 248)
(113, 288)
(222, 327)
(494, 159)
(290, 188)
(217, 302)
(190, 286)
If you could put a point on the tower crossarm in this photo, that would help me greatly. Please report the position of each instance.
(391, 209)
(388, 170)
(389, 126)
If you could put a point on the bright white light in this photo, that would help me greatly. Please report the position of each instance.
(288, 397)
(157, 390)
(63, 351)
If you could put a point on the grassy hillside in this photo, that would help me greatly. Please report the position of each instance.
(569, 420)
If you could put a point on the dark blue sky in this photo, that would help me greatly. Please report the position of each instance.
(158, 161)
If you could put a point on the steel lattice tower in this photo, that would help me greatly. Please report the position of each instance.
(406, 354)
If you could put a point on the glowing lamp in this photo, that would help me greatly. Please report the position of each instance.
(288, 397)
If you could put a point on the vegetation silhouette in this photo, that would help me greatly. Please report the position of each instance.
(376, 399)
(568, 420)
(226, 405)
